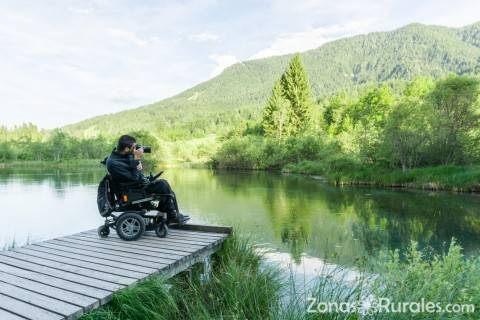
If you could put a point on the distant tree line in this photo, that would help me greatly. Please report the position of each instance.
(27, 142)
(427, 123)
(430, 123)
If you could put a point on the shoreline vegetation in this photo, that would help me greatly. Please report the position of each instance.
(424, 134)
(417, 134)
(441, 178)
(243, 285)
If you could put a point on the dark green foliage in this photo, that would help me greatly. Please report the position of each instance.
(275, 114)
(296, 89)
(346, 64)
(251, 152)
(455, 107)
(365, 138)
(26, 142)
(449, 278)
(406, 134)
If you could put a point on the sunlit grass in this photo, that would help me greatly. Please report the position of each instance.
(243, 286)
(449, 178)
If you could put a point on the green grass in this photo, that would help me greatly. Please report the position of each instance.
(239, 289)
(448, 178)
(50, 164)
(244, 287)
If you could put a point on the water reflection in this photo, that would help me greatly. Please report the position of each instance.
(292, 214)
(301, 215)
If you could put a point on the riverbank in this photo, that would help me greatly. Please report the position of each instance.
(26, 164)
(440, 178)
(245, 286)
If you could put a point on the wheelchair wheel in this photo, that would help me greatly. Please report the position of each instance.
(103, 231)
(130, 226)
(161, 229)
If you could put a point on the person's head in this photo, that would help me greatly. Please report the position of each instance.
(126, 144)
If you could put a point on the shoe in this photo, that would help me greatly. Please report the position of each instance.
(180, 218)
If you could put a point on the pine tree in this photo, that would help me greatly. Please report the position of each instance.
(296, 89)
(275, 113)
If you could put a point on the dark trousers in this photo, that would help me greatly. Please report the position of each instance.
(167, 203)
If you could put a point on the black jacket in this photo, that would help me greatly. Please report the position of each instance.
(123, 168)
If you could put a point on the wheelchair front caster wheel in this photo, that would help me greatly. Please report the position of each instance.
(161, 230)
(130, 226)
(103, 231)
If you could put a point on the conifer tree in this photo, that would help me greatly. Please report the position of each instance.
(275, 113)
(296, 89)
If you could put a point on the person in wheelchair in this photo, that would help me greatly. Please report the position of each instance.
(125, 167)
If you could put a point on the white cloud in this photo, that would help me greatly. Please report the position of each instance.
(309, 39)
(222, 61)
(127, 37)
(63, 61)
(203, 37)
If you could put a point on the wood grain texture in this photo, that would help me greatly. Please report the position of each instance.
(65, 277)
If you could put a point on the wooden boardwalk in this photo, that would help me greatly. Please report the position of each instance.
(65, 277)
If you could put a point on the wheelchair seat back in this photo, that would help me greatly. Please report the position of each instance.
(127, 192)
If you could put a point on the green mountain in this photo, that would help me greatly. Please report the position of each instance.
(241, 90)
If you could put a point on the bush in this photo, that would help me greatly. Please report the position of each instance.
(251, 152)
(449, 278)
(239, 288)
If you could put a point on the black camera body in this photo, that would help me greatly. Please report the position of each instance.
(146, 149)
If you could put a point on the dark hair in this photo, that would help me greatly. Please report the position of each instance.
(125, 141)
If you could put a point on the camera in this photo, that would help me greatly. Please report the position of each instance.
(146, 149)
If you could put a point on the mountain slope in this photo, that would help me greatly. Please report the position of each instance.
(343, 64)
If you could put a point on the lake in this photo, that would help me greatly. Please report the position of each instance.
(303, 219)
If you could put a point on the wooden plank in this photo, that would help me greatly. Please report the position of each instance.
(87, 303)
(106, 261)
(152, 236)
(84, 264)
(155, 242)
(35, 299)
(195, 239)
(131, 244)
(204, 228)
(4, 315)
(198, 257)
(99, 284)
(88, 291)
(64, 277)
(127, 247)
(180, 248)
(75, 249)
(197, 234)
(139, 257)
(104, 276)
(177, 232)
(182, 239)
(26, 310)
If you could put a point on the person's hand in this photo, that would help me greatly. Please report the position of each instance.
(137, 153)
(140, 167)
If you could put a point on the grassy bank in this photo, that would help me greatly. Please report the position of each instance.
(26, 164)
(239, 289)
(448, 178)
(313, 156)
(339, 171)
(242, 287)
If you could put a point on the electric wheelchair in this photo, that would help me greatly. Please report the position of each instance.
(130, 210)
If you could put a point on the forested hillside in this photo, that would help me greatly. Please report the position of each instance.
(241, 91)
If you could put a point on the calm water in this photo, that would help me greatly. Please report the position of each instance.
(300, 217)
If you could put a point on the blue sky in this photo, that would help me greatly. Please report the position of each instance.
(67, 60)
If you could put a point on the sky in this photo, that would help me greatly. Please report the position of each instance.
(62, 61)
